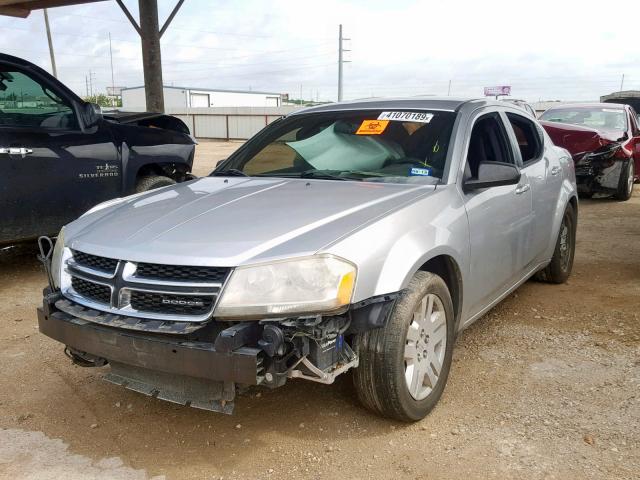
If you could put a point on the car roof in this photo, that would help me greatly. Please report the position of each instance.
(588, 105)
(449, 104)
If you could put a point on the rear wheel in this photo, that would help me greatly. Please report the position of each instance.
(559, 268)
(150, 182)
(405, 364)
(625, 184)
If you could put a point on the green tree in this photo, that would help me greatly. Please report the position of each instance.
(103, 100)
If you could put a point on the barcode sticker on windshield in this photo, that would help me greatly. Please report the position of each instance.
(421, 117)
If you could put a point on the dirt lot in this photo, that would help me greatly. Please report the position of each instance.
(545, 386)
(209, 153)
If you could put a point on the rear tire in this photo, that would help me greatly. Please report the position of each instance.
(405, 364)
(625, 184)
(559, 268)
(151, 182)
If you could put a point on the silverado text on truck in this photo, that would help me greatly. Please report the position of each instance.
(358, 236)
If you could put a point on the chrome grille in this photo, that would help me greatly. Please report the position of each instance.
(102, 264)
(178, 273)
(145, 290)
(170, 303)
(93, 291)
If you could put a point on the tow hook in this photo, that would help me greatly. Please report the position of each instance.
(84, 359)
(45, 245)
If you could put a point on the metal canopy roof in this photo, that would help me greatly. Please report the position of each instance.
(22, 8)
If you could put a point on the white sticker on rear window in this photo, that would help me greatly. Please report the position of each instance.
(421, 117)
(611, 110)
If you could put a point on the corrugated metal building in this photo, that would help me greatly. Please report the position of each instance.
(133, 98)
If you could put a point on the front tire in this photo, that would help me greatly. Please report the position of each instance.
(150, 182)
(625, 184)
(405, 364)
(561, 264)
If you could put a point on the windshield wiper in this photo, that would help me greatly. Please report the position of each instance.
(231, 172)
(322, 175)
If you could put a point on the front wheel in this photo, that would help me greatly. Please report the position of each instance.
(405, 364)
(561, 264)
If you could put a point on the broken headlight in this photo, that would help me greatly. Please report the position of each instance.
(317, 284)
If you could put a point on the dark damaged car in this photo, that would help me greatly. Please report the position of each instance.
(60, 155)
(604, 141)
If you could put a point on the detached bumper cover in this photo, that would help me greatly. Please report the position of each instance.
(178, 370)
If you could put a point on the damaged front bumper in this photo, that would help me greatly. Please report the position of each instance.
(596, 175)
(200, 374)
(202, 368)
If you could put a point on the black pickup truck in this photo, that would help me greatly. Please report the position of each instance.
(60, 156)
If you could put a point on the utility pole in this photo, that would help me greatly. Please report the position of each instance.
(86, 84)
(53, 57)
(150, 34)
(341, 61)
(113, 83)
(449, 89)
(622, 82)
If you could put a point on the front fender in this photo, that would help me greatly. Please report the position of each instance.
(389, 251)
(407, 256)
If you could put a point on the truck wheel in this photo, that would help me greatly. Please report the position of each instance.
(559, 268)
(150, 182)
(404, 365)
(625, 184)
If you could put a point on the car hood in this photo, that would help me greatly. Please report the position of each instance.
(230, 221)
(578, 139)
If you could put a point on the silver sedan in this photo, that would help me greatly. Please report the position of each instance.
(359, 235)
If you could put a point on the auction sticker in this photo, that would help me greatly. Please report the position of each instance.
(372, 127)
(421, 117)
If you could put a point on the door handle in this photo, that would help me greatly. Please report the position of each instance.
(520, 189)
(16, 150)
(556, 170)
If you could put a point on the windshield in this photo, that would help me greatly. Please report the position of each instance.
(398, 146)
(600, 118)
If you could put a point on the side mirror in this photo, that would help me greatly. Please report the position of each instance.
(91, 114)
(493, 174)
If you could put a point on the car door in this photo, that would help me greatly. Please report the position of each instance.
(51, 171)
(544, 174)
(500, 218)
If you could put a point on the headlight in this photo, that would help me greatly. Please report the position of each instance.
(318, 284)
(56, 258)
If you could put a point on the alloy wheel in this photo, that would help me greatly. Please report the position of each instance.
(425, 346)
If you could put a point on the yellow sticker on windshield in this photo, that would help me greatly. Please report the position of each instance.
(372, 127)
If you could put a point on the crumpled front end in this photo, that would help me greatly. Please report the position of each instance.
(155, 326)
(600, 171)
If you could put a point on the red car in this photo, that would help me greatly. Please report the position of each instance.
(604, 141)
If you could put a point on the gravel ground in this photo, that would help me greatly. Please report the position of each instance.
(545, 386)
(210, 152)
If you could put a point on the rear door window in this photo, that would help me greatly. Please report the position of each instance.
(528, 137)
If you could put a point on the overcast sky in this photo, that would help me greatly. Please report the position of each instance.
(568, 50)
